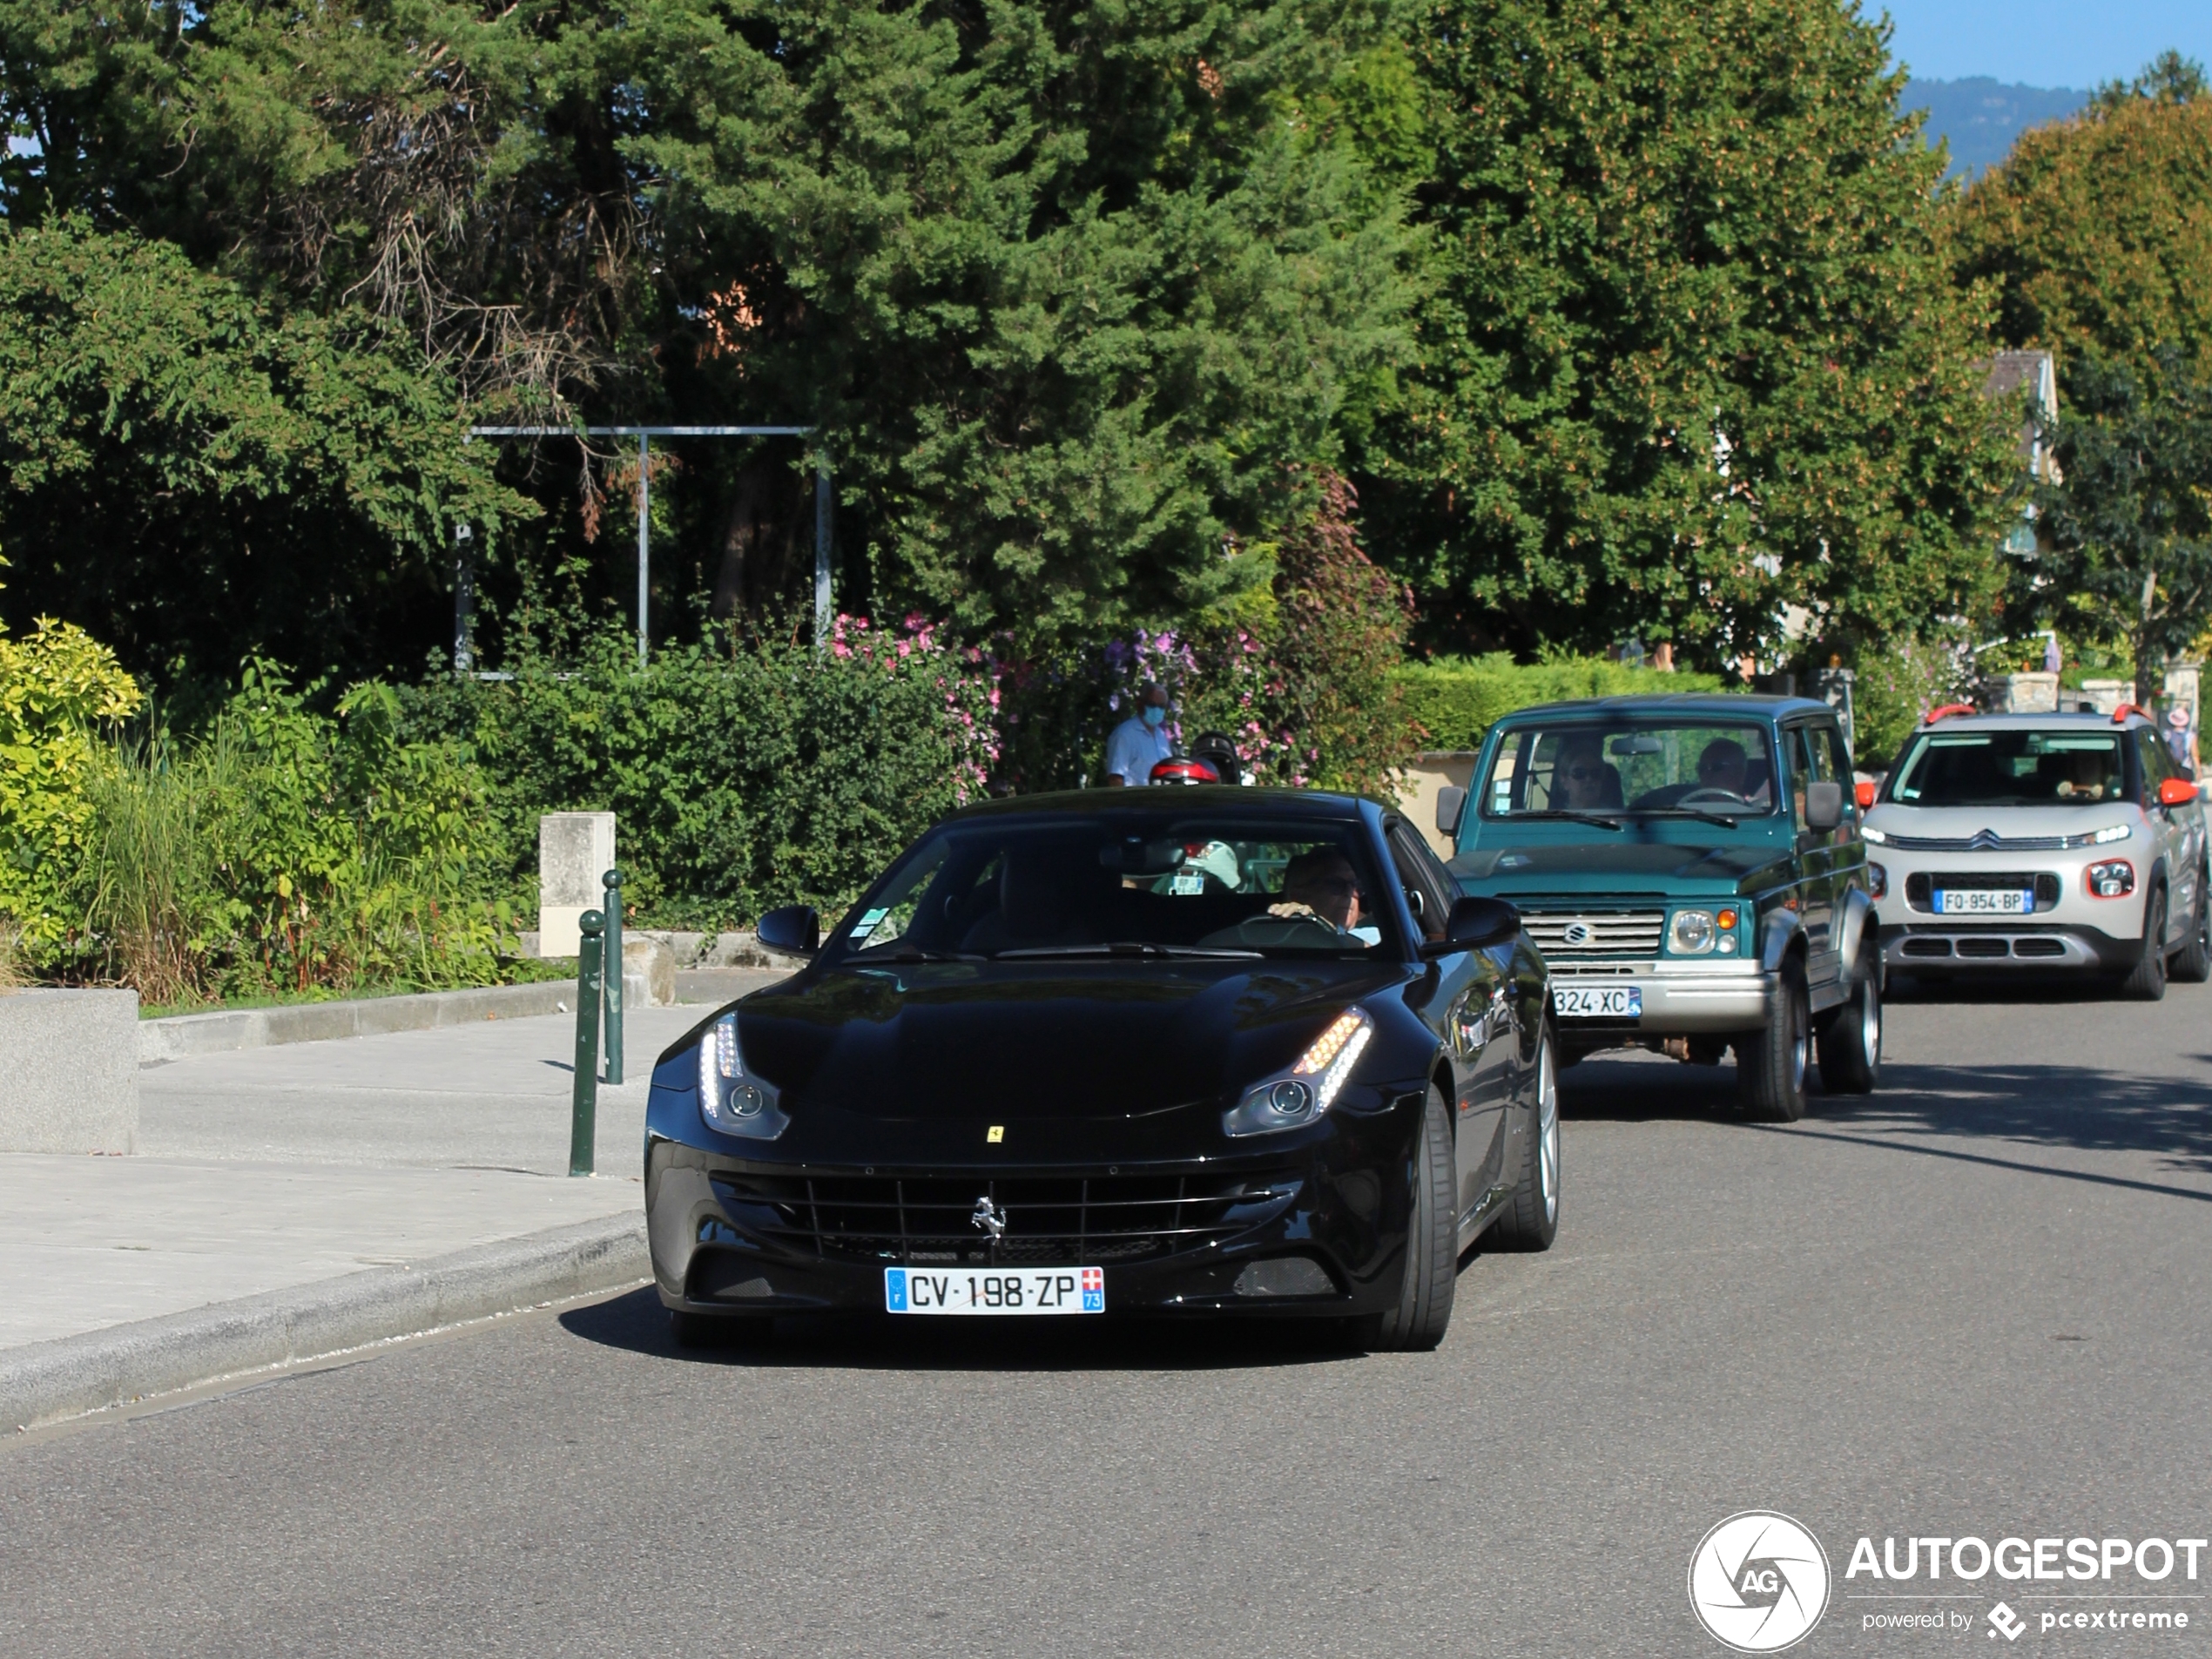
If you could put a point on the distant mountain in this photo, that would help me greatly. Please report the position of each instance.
(1982, 116)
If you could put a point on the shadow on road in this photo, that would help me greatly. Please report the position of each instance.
(637, 1323)
(2075, 1108)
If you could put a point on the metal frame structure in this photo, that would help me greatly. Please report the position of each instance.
(463, 591)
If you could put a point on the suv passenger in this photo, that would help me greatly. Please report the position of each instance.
(2067, 841)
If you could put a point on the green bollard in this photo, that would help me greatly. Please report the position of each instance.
(612, 882)
(584, 1117)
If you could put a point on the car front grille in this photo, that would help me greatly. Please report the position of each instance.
(1047, 1219)
(1989, 842)
(1595, 932)
(1920, 887)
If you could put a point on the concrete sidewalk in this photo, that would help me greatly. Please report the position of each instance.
(269, 1169)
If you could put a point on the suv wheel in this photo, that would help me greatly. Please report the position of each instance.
(1770, 1064)
(2148, 983)
(2192, 964)
(1851, 1041)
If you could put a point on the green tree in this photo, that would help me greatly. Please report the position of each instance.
(2097, 232)
(2132, 522)
(200, 481)
(1078, 294)
(1691, 357)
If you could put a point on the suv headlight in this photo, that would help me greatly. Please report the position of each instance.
(1294, 1098)
(1692, 933)
(2112, 833)
(732, 1100)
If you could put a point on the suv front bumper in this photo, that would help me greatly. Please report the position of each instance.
(1960, 947)
(1680, 999)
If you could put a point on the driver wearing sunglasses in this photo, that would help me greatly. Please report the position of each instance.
(1320, 883)
(1582, 781)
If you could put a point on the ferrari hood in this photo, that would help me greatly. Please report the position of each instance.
(1005, 1043)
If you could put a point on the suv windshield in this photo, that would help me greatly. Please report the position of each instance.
(1606, 769)
(1971, 768)
(1137, 884)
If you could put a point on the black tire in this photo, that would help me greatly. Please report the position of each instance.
(1851, 1043)
(1432, 1242)
(2192, 964)
(1770, 1063)
(713, 1330)
(2148, 983)
(1530, 1220)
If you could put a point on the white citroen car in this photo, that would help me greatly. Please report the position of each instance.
(2002, 842)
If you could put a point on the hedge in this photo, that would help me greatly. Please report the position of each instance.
(1453, 701)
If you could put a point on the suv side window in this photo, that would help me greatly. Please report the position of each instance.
(2152, 753)
(1832, 761)
(1421, 873)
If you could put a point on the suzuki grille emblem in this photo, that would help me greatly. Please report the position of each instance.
(1576, 933)
(989, 1217)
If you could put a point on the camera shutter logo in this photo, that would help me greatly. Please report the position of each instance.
(1758, 1582)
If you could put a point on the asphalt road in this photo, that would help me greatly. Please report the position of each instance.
(1973, 1305)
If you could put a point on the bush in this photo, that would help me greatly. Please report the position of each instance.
(742, 775)
(58, 689)
(1452, 702)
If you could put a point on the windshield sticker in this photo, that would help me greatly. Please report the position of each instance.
(866, 925)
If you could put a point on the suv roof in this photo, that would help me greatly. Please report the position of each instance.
(2129, 719)
(1754, 705)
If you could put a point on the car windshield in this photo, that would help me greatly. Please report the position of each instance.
(1985, 768)
(1137, 884)
(1608, 769)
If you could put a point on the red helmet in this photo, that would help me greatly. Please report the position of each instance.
(1181, 770)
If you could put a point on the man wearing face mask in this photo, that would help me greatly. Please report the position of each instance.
(1141, 742)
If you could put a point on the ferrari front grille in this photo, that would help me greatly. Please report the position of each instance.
(1017, 1221)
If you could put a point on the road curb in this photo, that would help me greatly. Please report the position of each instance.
(45, 1382)
(178, 1035)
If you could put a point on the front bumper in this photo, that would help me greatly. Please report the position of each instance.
(1942, 948)
(1680, 999)
(751, 1235)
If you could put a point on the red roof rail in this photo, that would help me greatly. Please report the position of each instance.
(2119, 715)
(1948, 710)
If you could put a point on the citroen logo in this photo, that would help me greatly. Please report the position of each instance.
(1986, 841)
(989, 1217)
(1575, 933)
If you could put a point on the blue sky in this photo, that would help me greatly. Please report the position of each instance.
(2043, 43)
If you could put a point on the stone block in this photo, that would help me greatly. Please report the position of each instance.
(574, 851)
(648, 971)
(2105, 697)
(2026, 694)
(69, 1071)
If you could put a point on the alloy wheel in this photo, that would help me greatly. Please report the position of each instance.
(1548, 1134)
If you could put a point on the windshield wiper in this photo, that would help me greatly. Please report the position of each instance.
(1130, 947)
(922, 954)
(1705, 812)
(1599, 818)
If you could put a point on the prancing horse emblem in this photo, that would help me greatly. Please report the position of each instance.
(989, 1217)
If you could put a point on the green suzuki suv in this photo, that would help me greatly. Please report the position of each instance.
(1692, 869)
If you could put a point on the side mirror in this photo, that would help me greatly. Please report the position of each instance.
(794, 930)
(1476, 924)
(1450, 806)
(1866, 789)
(2176, 792)
(1823, 805)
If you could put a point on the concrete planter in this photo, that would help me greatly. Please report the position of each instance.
(69, 1071)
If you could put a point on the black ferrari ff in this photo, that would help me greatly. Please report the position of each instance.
(1207, 1050)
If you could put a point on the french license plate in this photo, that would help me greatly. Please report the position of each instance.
(994, 1291)
(1598, 1001)
(1985, 901)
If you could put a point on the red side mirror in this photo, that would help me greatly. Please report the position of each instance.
(1864, 791)
(2176, 792)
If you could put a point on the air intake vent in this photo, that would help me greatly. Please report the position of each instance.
(1596, 933)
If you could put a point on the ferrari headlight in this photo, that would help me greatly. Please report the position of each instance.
(732, 1100)
(1692, 932)
(1294, 1098)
